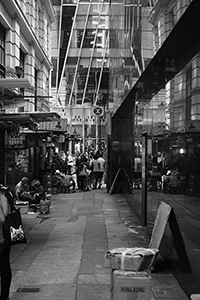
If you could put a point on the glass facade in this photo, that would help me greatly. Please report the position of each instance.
(99, 50)
(173, 146)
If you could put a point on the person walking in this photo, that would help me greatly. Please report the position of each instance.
(82, 176)
(102, 163)
(95, 170)
(5, 268)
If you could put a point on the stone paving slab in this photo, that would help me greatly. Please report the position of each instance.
(64, 256)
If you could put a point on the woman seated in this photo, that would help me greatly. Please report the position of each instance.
(22, 192)
(69, 182)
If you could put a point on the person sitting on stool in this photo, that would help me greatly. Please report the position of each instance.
(22, 192)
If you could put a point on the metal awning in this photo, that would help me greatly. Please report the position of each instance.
(182, 44)
(27, 119)
(44, 116)
(6, 83)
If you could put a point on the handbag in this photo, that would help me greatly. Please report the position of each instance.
(2, 217)
(13, 230)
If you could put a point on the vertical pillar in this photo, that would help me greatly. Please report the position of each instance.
(144, 179)
(83, 130)
(109, 152)
(96, 127)
(70, 130)
(13, 45)
(30, 65)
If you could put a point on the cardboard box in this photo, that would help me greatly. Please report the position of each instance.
(130, 259)
(23, 206)
(127, 285)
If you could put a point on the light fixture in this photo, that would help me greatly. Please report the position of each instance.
(19, 71)
(182, 151)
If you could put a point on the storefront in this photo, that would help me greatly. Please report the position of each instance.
(22, 153)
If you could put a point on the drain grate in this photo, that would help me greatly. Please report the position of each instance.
(28, 290)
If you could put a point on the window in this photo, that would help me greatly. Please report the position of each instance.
(53, 73)
(22, 64)
(22, 61)
(2, 51)
(188, 93)
(90, 36)
(21, 109)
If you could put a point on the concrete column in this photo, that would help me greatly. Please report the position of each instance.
(161, 30)
(13, 45)
(29, 66)
(23, 6)
(30, 13)
(41, 34)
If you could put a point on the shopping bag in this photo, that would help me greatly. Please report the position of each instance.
(13, 228)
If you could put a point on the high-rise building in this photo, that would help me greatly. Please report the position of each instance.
(99, 50)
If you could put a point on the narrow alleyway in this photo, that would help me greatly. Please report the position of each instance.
(64, 256)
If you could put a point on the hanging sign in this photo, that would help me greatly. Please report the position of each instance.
(98, 111)
(15, 140)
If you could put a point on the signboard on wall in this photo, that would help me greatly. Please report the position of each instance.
(61, 125)
(15, 140)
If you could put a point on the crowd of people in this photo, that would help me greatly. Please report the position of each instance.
(85, 171)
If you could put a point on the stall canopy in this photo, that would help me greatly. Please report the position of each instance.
(27, 119)
(182, 44)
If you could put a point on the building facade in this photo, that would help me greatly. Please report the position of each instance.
(25, 67)
(26, 43)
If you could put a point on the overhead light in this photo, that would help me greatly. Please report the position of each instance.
(19, 71)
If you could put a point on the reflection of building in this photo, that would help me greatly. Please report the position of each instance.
(182, 91)
(99, 50)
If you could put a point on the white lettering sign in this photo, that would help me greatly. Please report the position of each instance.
(132, 289)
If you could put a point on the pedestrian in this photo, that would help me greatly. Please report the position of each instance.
(82, 176)
(95, 170)
(102, 163)
(5, 268)
(77, 166)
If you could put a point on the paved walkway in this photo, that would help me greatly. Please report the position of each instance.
(64, 256)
